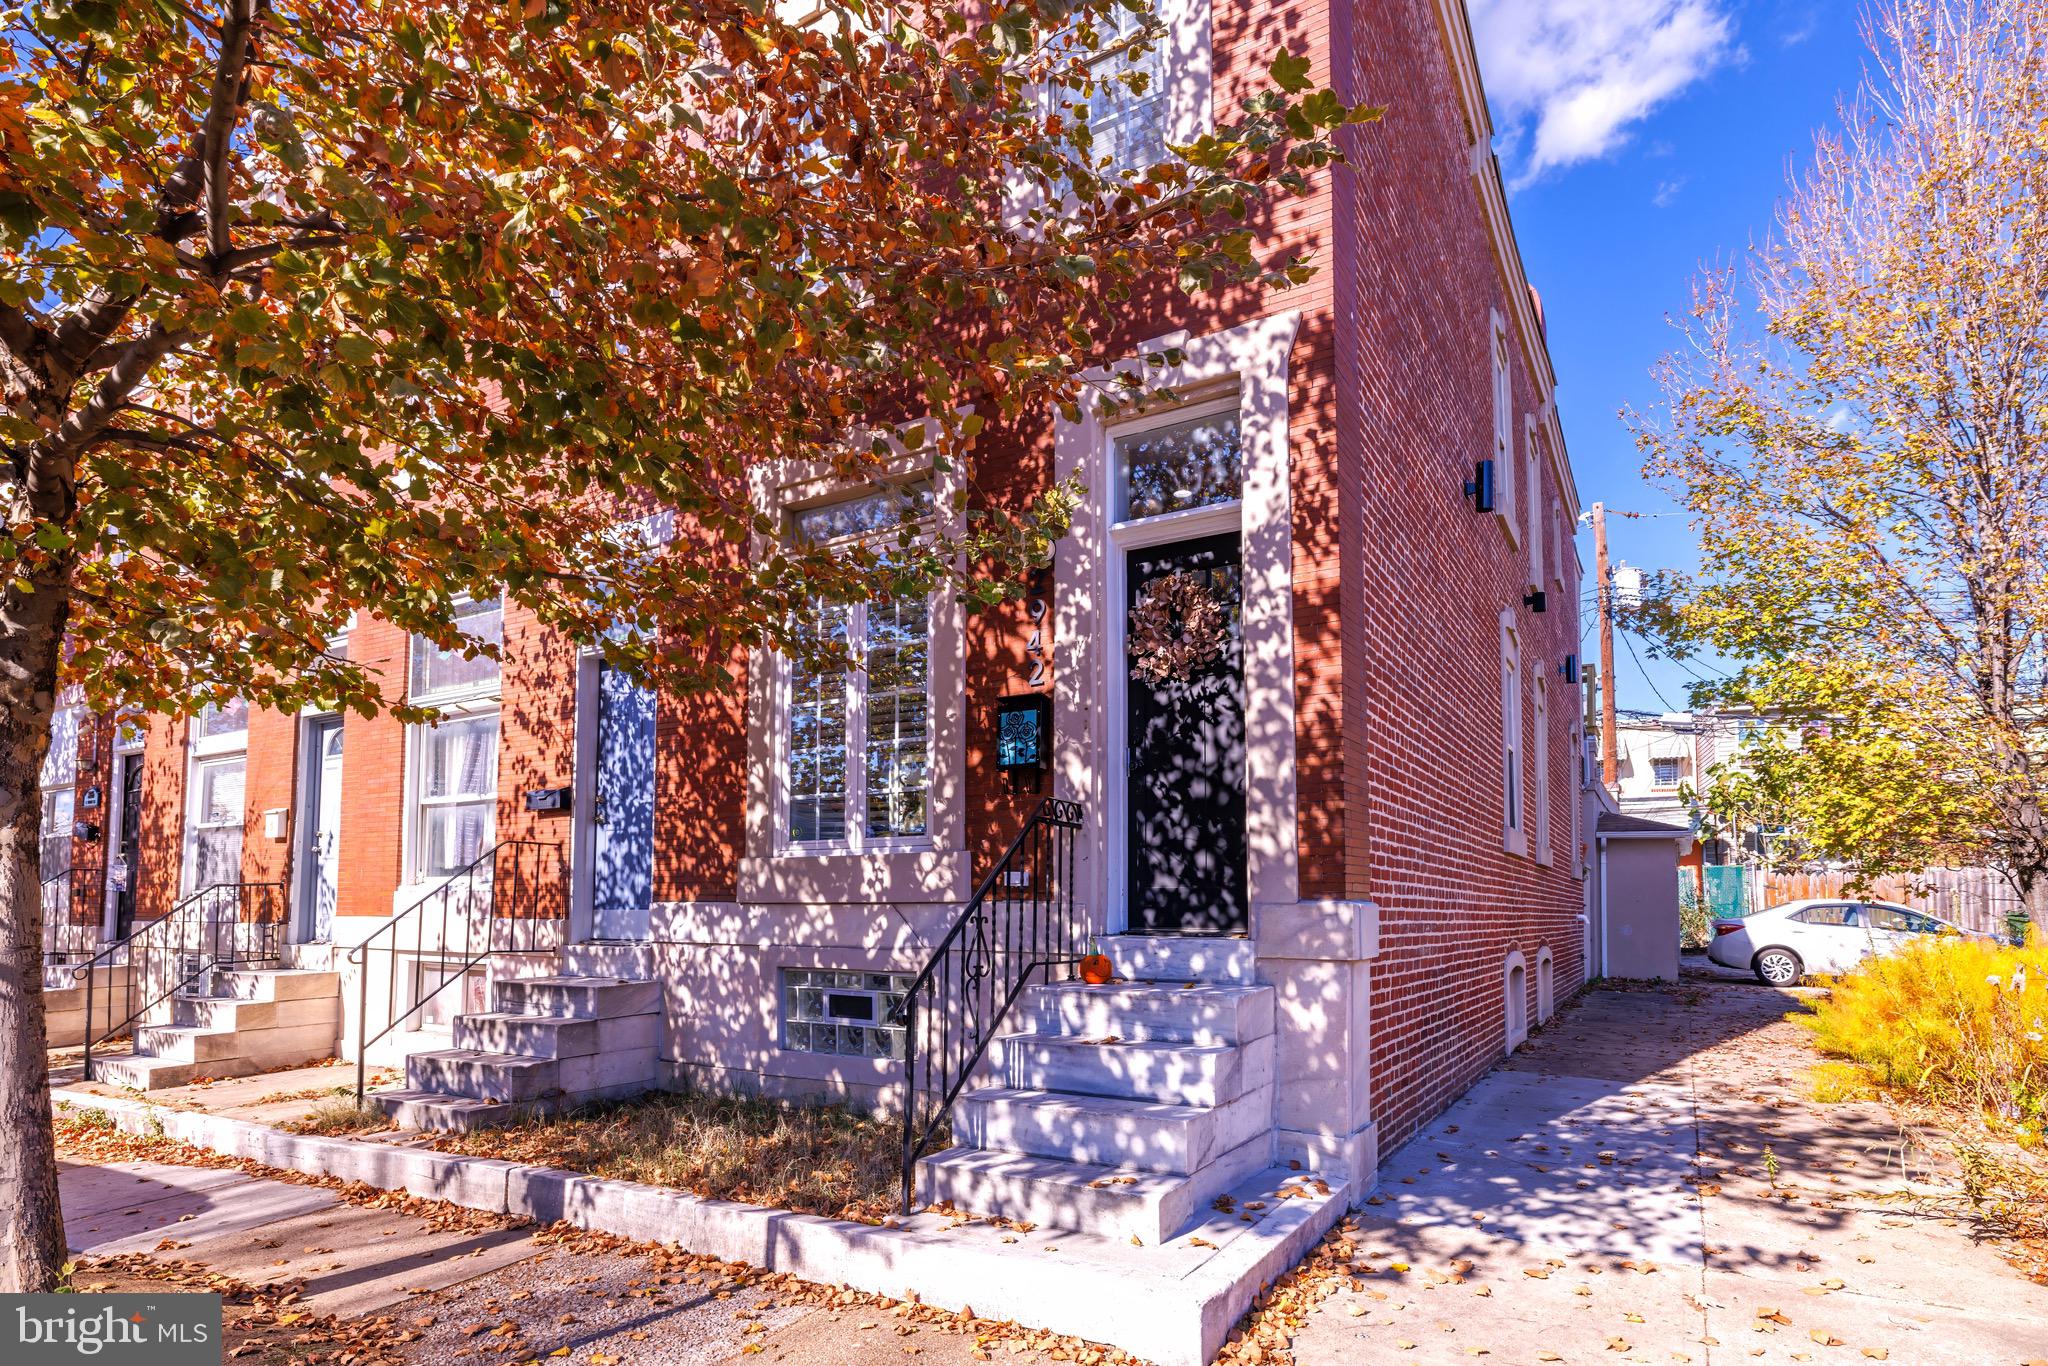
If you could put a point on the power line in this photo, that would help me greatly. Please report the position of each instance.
(1628, 640)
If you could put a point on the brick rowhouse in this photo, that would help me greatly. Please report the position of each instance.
(1416, 903)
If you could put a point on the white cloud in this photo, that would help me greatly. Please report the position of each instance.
(1667, 191)
(1570, 77)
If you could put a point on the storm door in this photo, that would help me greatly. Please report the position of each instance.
(1186, 864)
(622, 810)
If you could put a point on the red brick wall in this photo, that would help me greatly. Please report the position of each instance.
(94, 756)
(1421, 686)
(161, 852)
(1398, 585)
(700, 775)
(373, 775)
(269, 783)
(536, 749)
(700, 770)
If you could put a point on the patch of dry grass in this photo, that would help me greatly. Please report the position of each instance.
(338, 1114)
(813, 1159)
(1953, 1023)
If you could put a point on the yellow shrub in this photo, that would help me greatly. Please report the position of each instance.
(1953, 1021)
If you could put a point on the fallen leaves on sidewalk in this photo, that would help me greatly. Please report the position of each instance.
(260, 1325)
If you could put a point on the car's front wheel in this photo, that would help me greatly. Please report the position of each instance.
(1778, 968)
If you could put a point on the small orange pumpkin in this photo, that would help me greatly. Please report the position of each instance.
(1096, 969)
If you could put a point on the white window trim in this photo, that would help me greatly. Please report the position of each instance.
(1561, 546)
(197, 760)
(855, 700)
(415, 878)
(1539, 809)
(1532, 499)
(1252, 361)
(1515, 1034)
(452, 700)
(1514, 792)
(1506, 477)
(1190, 106)
(931, 868)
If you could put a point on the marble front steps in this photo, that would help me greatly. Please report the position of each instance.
(64, 1002)
(234, 1022)
(547, 1044)
(1123, 1110)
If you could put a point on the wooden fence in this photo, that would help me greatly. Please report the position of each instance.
(1974, 898)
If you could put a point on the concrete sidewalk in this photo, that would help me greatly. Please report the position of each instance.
(1647, 1181)
(461, 1286)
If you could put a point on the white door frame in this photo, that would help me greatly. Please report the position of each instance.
(1250, 362)
(305, 792)
(125, 755)
(583, 799)
(1218, 519)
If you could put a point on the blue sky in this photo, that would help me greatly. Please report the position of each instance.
(1641, 140)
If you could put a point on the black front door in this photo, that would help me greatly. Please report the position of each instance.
(1185, 739)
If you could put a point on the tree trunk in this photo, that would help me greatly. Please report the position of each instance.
(32, 1244)
(2037, 906)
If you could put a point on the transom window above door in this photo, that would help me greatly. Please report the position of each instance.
(1193, 461)
(439, 674)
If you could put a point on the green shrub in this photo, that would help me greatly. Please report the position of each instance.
(1956, 1022)
(1695, 921)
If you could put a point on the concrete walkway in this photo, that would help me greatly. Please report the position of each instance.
(461, 1286)
(1648, 1181)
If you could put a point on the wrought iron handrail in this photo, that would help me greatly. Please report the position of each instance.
(170, 953)
(533, 865)
(1021, 922)
(63, 937)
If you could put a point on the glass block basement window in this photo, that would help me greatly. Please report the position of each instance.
(842, 1013)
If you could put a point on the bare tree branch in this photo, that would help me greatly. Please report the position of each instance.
(230, 90)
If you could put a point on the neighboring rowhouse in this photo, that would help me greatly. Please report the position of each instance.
(1304, 670)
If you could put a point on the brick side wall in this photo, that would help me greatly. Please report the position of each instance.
(270, 784)
(373, 779)
(161, 852)
(1435, 575)
(536, 749)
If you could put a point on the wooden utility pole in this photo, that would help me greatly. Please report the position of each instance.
(1603, 598)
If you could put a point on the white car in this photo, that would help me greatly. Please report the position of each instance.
(1822, 935)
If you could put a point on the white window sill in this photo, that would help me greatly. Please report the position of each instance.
(796, 876)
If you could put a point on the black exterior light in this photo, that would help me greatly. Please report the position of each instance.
(1479, 488)
(1569, 670)
(1536, 601)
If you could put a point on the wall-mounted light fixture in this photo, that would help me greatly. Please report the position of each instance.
(1537, 601)
(1479, 488)
(1569, 670)
(1024, 738)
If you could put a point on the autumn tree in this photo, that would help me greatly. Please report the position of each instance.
(1867, 464)
(308, 309)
